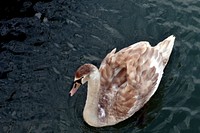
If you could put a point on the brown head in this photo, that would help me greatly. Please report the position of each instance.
(81, 77)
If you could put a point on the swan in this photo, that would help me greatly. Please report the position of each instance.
(125, 81)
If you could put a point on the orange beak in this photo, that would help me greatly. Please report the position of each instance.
(75, 87)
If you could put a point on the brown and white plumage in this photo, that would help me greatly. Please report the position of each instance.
(125, 81)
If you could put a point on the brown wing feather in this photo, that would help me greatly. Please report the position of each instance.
(126, 80)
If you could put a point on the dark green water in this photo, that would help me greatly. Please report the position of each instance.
(43, 43)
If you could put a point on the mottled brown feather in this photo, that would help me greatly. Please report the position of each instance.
(83, 70)
(132, 80)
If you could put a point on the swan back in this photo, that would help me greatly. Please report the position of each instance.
(130, 77)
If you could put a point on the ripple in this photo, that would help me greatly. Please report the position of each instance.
(175, 109)
(113, 31)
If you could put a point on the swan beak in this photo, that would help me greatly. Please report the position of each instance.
(75, 87)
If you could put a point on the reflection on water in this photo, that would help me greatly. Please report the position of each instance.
(43, 42)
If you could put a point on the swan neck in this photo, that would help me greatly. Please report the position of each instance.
(91, 106)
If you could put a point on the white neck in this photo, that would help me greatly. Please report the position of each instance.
(91, 106)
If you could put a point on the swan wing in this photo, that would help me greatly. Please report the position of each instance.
(128, 79)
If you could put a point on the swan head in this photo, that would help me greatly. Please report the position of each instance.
(82, 75)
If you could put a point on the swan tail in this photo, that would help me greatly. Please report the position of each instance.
(165, 47)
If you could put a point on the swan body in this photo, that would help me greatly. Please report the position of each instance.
(125, 81)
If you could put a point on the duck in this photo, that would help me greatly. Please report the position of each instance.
(124, 82)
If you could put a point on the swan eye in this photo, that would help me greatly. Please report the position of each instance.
(78, 81)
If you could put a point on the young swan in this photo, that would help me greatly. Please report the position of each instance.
(125, 81)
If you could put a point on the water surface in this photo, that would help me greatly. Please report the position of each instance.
(43, 43)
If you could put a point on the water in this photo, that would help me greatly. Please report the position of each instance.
(43, 43)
